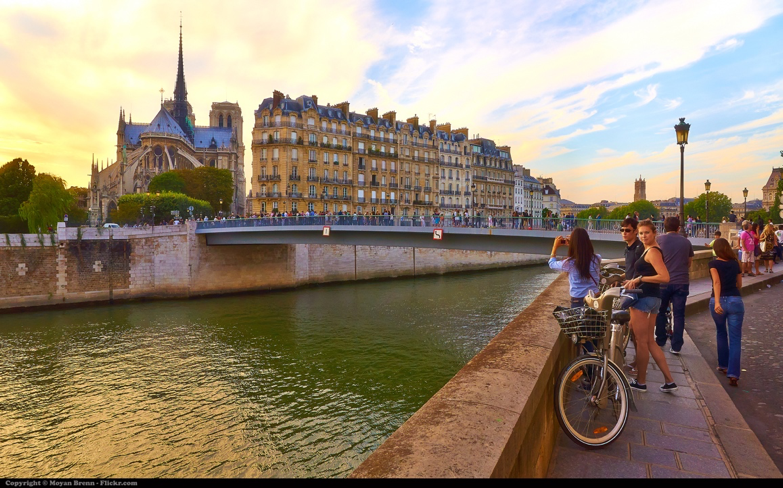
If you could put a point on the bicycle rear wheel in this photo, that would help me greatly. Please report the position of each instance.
(586, 420)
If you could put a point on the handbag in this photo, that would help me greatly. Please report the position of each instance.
(757, 250)
(763, 246)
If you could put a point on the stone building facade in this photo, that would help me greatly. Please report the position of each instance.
(170, 141)
(326, 158)
(768, 191)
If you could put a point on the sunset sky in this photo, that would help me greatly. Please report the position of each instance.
(586, 92)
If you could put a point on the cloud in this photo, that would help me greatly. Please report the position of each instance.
(646, 95)
(729, 44)
(672, 104)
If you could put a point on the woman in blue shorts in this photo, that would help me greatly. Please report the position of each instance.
(650, 273)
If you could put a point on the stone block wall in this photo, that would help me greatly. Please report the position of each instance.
(26, 271)
(94, 265)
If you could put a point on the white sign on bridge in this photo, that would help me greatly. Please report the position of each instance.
(327, 231)
(437, 234)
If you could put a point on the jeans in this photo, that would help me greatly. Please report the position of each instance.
(674, 296)
(729, 344)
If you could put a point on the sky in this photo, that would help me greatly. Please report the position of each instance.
(585, 92)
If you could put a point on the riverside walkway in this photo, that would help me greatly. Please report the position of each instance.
(694, 432)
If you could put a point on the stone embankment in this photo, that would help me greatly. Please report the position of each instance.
(95, 265)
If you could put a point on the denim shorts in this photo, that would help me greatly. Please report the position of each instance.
(651, 305)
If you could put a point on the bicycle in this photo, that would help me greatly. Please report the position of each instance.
(592, 393)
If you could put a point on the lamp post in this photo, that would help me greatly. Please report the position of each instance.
(221, 208)
(745, 195)
(152, 211)
(682, 139)
(707, 185)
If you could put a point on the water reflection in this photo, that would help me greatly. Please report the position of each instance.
(302, 383)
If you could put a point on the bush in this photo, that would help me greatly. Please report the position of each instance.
(130, 206)
(12, 224)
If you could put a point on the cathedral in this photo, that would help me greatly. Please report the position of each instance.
(170, 141)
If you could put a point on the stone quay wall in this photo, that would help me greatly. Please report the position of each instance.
(93, 265)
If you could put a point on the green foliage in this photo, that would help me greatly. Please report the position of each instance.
(16, 183)
(545, 212)
(774, 211)
(130, 207)
(644, 207)
(754, 215)
(12, 224)
(205, 183)
(593, 212)
(720, 206)
(47, 204)
(77, 215)
(169, 181)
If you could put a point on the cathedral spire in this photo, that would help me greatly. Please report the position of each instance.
(181, 110)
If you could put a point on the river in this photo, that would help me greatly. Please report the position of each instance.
(296, 383)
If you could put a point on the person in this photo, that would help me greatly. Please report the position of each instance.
(633, 251)
(732, 217)
(747, 244)
(589, 222)
(754, 231)
(582, 265)
(779, 235)
(650, 271)
(770, 241)
(727, 309)
(712, 243)
(678, 257)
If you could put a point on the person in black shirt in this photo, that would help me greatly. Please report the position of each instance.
(634, 247)
(727, 308)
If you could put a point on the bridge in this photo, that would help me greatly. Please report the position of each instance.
(476, 234)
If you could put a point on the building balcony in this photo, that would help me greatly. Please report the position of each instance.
(268, 177)
(313, 178)
(417, 188)
(407, 187)
(294, 177)
(422, 202)
(362, 166)
(392, 185)
(374, 183)
(360, 200)
(275, 194)
(295, 195)
(427, 188)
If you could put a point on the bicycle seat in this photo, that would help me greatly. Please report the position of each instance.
(621, 316)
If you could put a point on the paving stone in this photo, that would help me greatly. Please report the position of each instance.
(568, 463)
(647, 425)
(703, 465)
(682, 444)
(618, 448)
(652, 455)
(747, 454)
(679, 430)
(675, 415)
(662, 472)
(657, 377)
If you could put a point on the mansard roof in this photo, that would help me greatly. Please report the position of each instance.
(164, 123)
(133, 131)
(203, 136)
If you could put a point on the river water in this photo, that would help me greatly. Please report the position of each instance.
(297, 383)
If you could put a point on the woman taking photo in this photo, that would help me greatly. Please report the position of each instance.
(727, 308)
(582, 265)
(650, 273)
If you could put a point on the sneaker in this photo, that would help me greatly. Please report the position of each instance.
(669, 387)
(673, 351)
(636, 386)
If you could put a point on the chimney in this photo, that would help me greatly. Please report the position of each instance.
(463, 131)
(373, 112)
(414, 121)
(445, 127)
(315, 100)
(433, 124)
(391, 117)
(344, 107)
(277, 97)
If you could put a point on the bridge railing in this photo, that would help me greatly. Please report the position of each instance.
(565, 225)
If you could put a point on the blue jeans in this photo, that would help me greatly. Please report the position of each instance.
(729, 344)
(674, 296)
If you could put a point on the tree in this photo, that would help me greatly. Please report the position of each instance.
(774, 211)
(172, 181)
(720, 206)
(16, 183)
(644, 207)
(545, 212)
(77, 212)
(48, 202)
(130, 206)
(211, 185)
(593, 212)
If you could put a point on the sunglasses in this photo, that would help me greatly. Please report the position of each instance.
(624, 230)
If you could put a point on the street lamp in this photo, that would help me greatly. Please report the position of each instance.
(473, 200)
(707, 185)
(682, 139)
(152, 211)
(221, 208)
(745, 194)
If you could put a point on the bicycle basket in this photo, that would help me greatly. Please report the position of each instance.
(582, 322)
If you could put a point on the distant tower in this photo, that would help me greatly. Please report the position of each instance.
(639, 189)
(181, 95)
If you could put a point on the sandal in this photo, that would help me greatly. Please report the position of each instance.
(733, 381)
(722, 370)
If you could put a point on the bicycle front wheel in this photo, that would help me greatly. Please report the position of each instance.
(589, 420)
